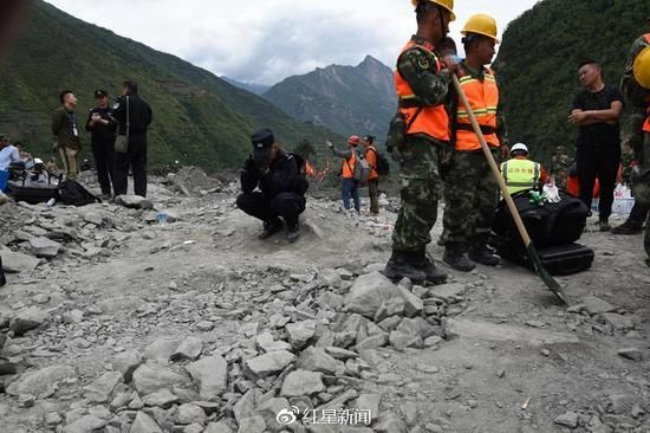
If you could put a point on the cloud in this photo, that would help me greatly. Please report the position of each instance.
(264, 41)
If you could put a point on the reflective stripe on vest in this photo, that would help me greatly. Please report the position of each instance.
(520, 174)
(483, 96)
(348, 167)
(432, 120)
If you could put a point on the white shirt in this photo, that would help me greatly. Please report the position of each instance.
(8, 155)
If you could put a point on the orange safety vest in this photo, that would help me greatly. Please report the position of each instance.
(347, 172)
(646, 125)
(431, 120)
(371, 157)
(483, 96)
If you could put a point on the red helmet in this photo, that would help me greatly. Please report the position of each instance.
(353, 140)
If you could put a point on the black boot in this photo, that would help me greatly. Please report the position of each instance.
(3, 279)
(456, 257)
(293, 232)
(629, 227)
(271, 227)
(481, 254)
(401, 265)
(426, 264)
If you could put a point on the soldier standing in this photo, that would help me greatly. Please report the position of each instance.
(422, 83)
(471, 192)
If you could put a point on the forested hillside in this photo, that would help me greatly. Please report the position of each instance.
(538, 62)
(198, 118)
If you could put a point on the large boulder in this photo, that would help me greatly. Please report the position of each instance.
(368, 293)
(211, 374)
(40, 383)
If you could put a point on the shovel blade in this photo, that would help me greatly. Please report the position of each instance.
(548, 279)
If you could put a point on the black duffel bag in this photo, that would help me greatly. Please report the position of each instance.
(548, 225)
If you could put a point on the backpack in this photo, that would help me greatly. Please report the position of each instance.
(300, 183)
(548, 225)
(361, 169)
(383, 166)
(71, 192)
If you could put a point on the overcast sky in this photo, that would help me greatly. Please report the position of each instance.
(264, 41)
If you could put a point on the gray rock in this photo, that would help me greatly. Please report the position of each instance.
(369, 402)
(631, 353)
(150, 377)
(254, 424)
(28, 319)
(205, 326)
(620, 404)
(218, 427)
(17, 262)
(211, 373)
(330, 277)
(374, 342)
(87, 424)
(144, 424)
(417, 327)
(270, 410)
(133, 201)
(53, 419)
(127, 362)
(269, 363)
(190, 349)
(391, 323)
(40, 383)
(619, 322)
(101, 389)
(339, 353)
(266, 342)
(490, 332)
(594, 305)
(316, 359)
(413, 305)
(302, 382)
(448, 292)
(300, 333)
(94, 218)
(189, 414)
(401, 341)
(44, 247)
(246, 405)
(368, 293)
(569, 419)
(163, 398)
(390, 307)
(162, 349)
(194, 427)
(390, 423)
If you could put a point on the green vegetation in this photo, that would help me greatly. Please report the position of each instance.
(199, 119)
(538, 62)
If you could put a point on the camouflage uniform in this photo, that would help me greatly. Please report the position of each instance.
(471, 192)
(560, 167)
(639, 140)
(418, 157)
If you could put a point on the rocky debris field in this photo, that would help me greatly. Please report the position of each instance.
(114, 322)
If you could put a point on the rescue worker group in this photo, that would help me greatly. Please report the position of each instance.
(439, 152)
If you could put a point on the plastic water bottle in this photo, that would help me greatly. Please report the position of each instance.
(161, 217)
(50, 202)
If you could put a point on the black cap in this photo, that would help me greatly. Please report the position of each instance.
(100, 94)
(370, 138)
(263, 139)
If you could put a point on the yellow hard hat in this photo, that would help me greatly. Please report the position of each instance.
(481, 24)
(447, 4)
(641, 68)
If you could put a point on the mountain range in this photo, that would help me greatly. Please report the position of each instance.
(347, 99)
(255, 88)
(199, 118)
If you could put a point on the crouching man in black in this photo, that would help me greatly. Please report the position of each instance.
(282, 186)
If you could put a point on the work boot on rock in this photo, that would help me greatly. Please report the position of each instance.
(481, 254)
(628, 228)
(456, 257)
(434, 274)
(401, 265)
(271, 227)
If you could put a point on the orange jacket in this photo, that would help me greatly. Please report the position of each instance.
(347, 172)
(371, 157)
(483, 96)
(433, 120)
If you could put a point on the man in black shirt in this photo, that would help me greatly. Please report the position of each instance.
(598, 152)
(273, 186)
(137, 123)
(102, 127)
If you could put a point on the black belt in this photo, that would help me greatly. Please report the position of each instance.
(486, 130)
(410, 103)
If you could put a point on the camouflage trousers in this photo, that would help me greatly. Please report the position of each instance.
(471, 196)
(420, 192)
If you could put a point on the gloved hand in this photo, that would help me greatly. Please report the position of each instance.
(329, 144)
